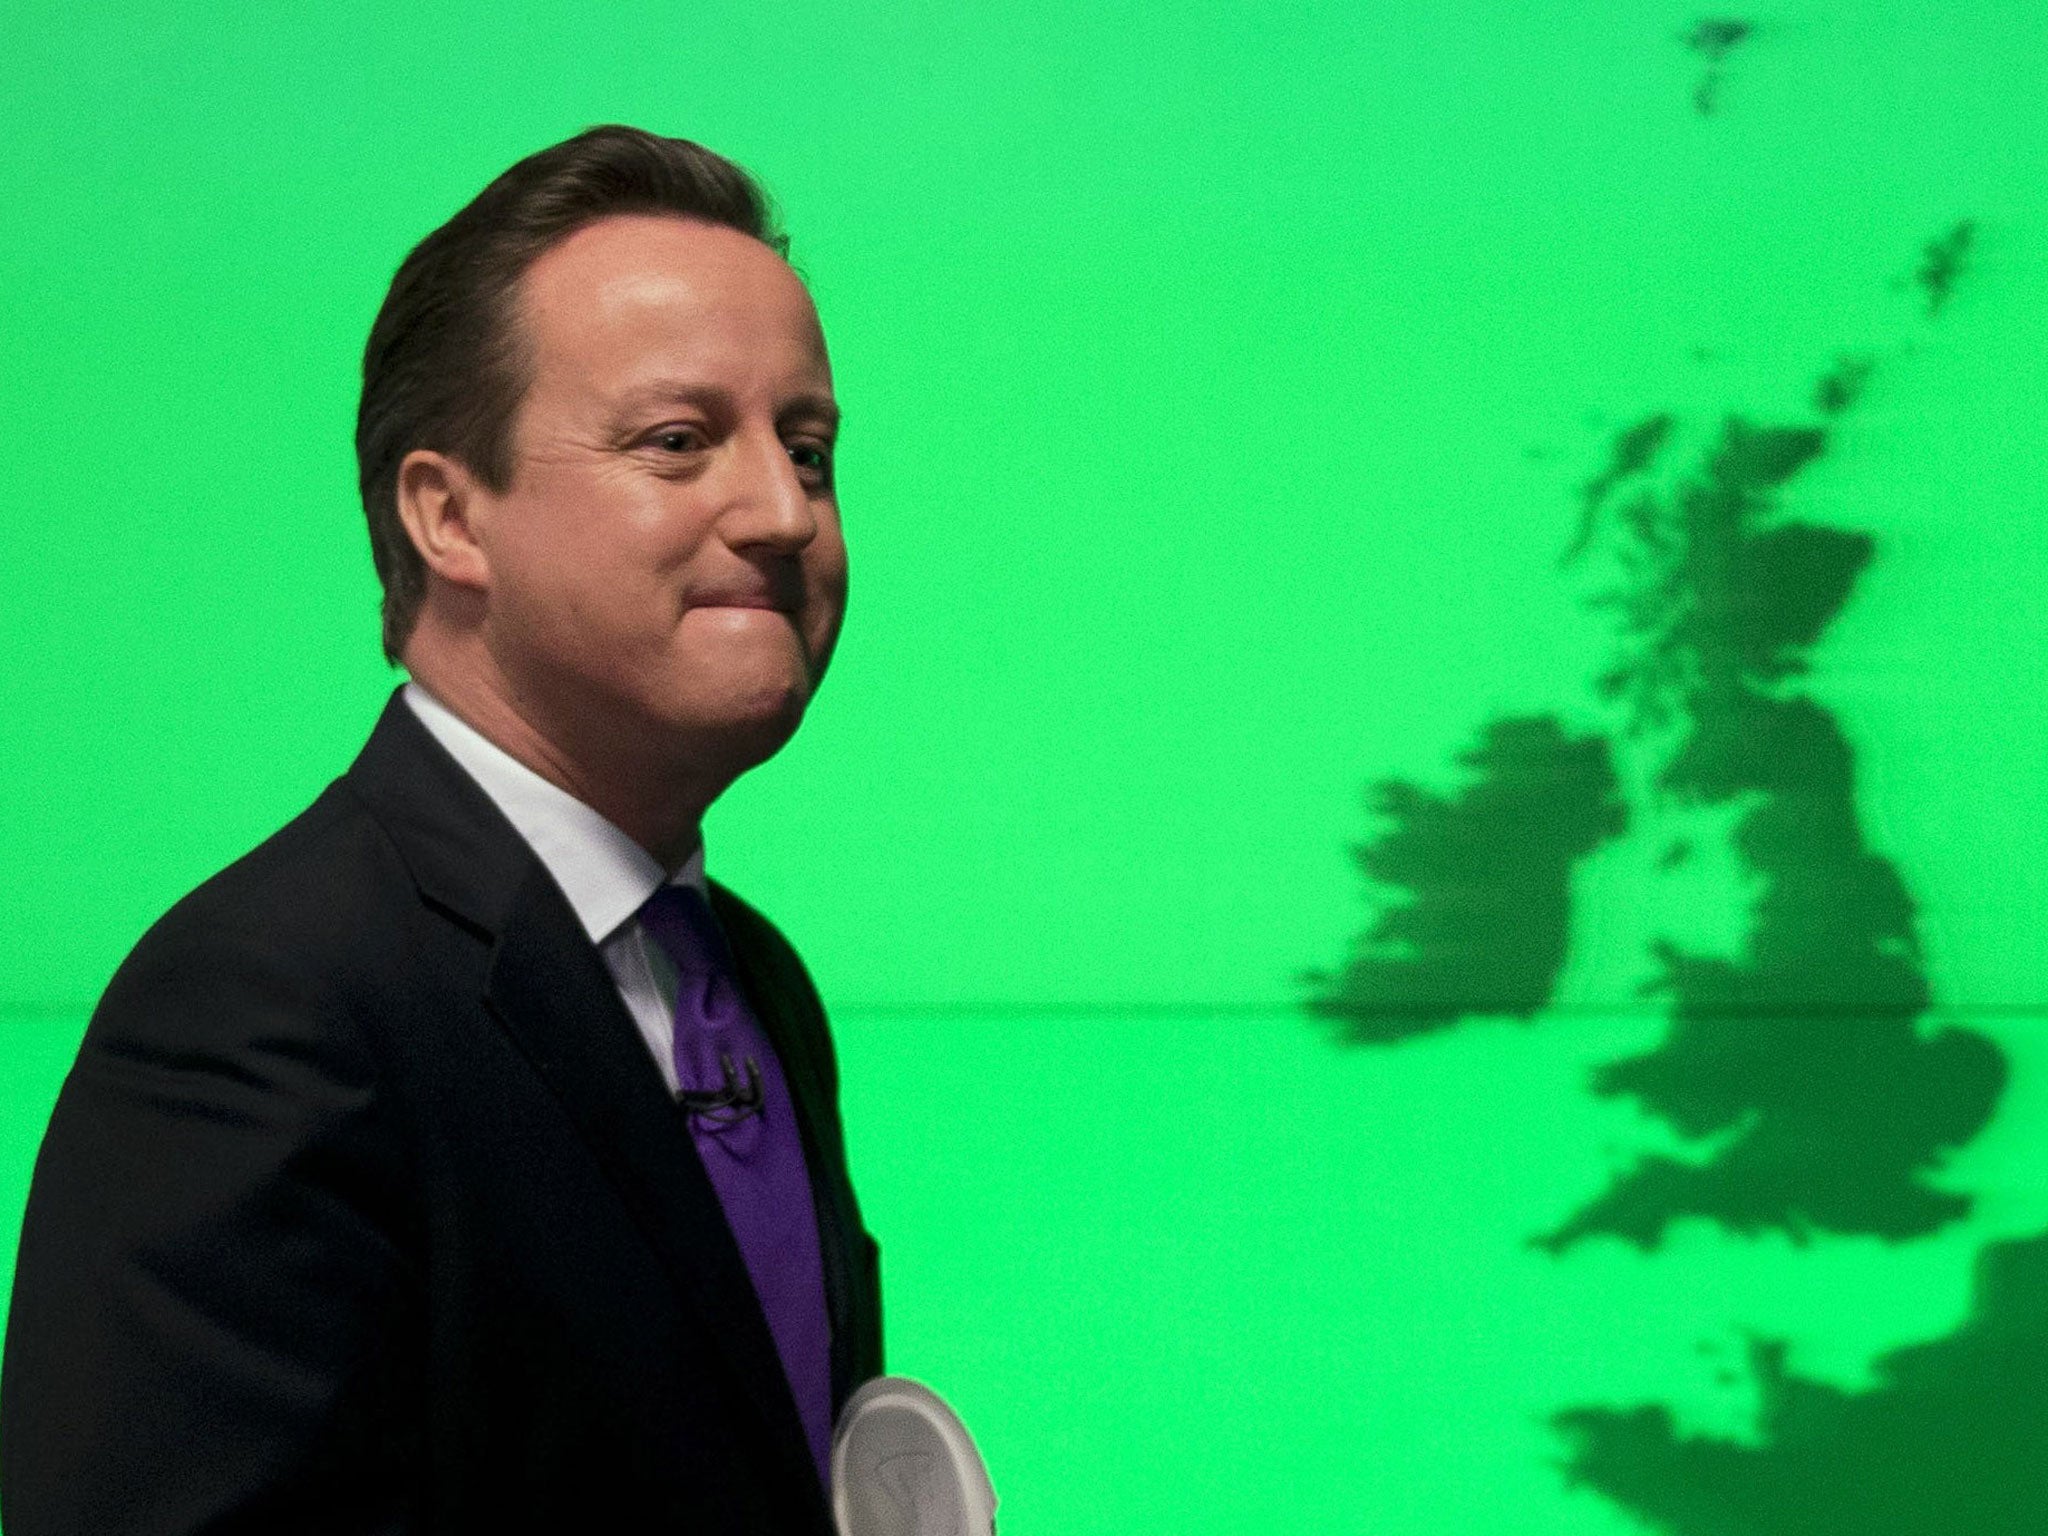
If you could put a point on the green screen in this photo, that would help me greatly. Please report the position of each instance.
(1426, 840)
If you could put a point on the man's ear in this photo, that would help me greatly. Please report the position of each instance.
(438, 501)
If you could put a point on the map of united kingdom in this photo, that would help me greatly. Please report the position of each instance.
(1809, 1090)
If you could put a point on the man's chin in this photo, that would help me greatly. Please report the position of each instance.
(752, 726)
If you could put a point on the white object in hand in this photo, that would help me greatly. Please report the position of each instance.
(904, 1465)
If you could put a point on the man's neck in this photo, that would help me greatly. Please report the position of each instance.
(660, 807)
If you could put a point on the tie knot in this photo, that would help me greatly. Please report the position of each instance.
(680, 920)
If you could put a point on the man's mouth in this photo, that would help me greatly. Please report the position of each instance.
(768, 601)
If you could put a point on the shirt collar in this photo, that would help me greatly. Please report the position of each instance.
(603, 872)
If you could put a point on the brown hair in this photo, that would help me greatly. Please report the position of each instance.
(446, 366)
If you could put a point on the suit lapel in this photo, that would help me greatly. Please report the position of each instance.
(548, 987)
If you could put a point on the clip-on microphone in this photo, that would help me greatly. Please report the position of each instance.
(730, 1104)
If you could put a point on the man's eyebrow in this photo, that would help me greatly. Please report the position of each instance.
(714, 397)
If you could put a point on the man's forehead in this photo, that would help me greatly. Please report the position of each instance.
(644, 303)
(632, 266)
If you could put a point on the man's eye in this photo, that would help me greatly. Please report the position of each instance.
(812, 460)
(678, 439)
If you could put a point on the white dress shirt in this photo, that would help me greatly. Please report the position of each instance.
(603, 872)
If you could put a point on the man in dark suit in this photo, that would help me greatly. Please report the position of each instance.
(461, 1159)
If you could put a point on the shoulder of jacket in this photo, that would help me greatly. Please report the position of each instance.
(277, 931)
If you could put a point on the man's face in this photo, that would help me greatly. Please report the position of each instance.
(667, 561)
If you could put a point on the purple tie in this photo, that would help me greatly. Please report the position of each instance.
(755, 1158)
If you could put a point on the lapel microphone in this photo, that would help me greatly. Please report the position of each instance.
(730, 1104)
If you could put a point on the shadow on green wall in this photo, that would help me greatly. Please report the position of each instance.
(1953, 1441)
(1812, 1096)
(1488, 871)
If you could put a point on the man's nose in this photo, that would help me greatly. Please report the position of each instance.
(769, 502)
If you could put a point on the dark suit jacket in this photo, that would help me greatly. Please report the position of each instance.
(365, 1209)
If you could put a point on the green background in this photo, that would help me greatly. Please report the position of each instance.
(1221, 383)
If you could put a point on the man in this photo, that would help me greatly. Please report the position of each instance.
(461, 1159)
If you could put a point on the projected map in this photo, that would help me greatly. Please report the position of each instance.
(1809, 1090)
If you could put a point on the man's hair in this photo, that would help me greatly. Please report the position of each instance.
(447, 363)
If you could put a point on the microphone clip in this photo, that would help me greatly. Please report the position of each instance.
(730, 1103)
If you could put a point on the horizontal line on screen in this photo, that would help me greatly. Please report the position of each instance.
(1275, 1010)
(39, 1009)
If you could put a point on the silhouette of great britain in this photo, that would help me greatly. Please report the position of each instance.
(1804, 1070)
